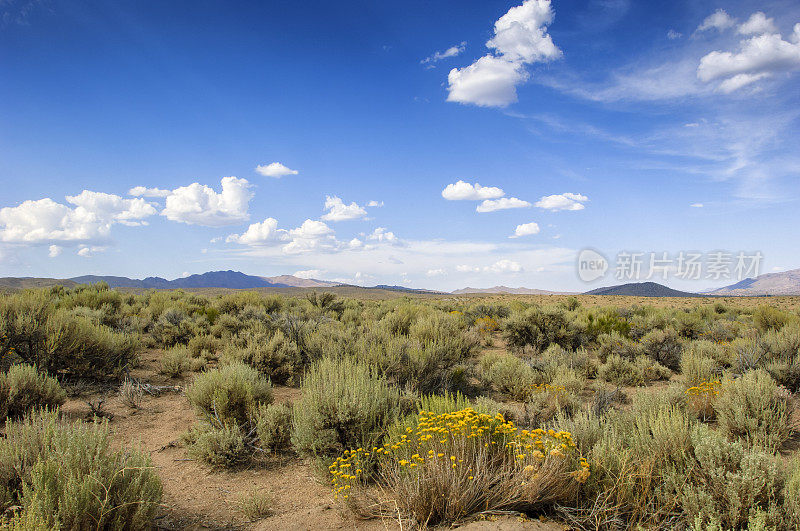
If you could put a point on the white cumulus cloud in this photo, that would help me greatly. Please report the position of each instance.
(526, 229)
(520, 39)
(461, 191)
(91, 219)
(565, 201)
(54, 250)
(380, 234)
(504, 203)
(143, 191)
(275, 170)
(339, 211)
(435, 272)
(758, 57)
(505, 266)
(719, 20)
(757, 24)
(198, 204)
(312, 235)
(262, 233)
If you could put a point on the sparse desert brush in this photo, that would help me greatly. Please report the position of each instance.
(255, 504)
(23, 388)
(229, 394)
(451, 465)
(639, 465)
(486, 325)
(555, 357)
(130, 394)
(274, 427)
(60, 475)
(174, 362)
(791, 494)
(205, 346)
(754, 409)
(345, 404)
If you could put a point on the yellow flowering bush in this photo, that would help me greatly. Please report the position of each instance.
(700, 398)
(486, 325)
(451, 465)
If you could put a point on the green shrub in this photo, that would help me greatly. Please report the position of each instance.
(205, 346)
(229, 395)
(754, 410)
(770, 318)
(731, 483)
(510, 376)
(642, 370)
(174, 362)
(791, 495)
(663, 346)
(539, 328)
(66, 475)
(618, 345)
(56, 341)
(274, 427)
(219, 446)
(279, 358)
(697, 367)
(23, 388)
(345, 404)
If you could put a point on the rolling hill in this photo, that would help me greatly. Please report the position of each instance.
(784, 283)
(641, 289)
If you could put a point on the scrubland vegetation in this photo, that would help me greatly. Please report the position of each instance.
(610, 416)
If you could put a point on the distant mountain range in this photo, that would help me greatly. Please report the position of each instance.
(784, 283)
(641, 289)
(506, 290)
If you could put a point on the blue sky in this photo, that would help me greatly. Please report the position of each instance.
(132, 133)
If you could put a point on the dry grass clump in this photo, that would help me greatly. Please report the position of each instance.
(255, 504)
(345, 404)
(60, 475)
(451, 465)
(130, 394)
(23, 388)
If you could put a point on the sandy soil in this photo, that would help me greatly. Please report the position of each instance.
(199, 497)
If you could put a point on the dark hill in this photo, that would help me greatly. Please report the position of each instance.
(641, 289)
